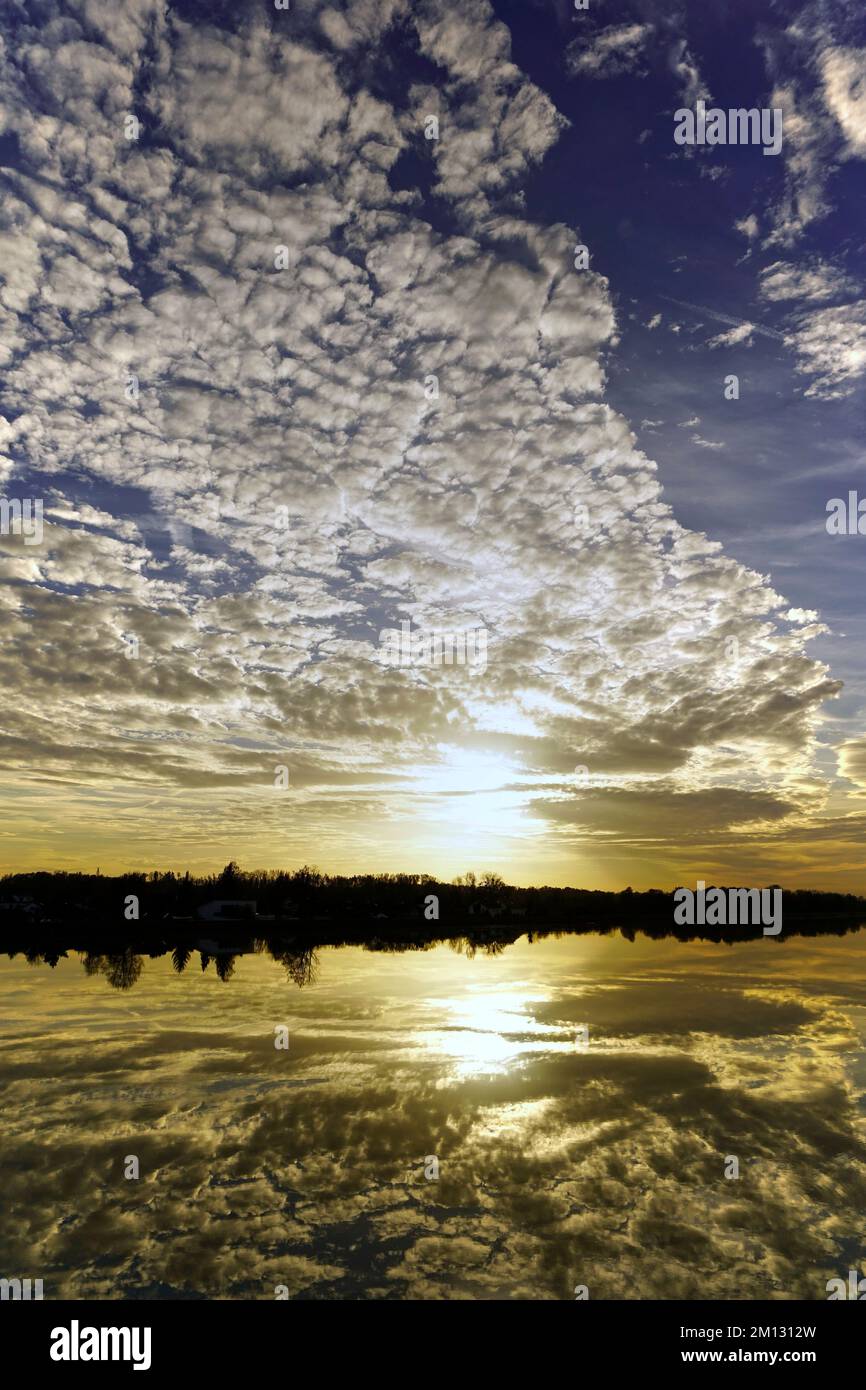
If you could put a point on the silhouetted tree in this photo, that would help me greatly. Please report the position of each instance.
(122, 970)
(180, 958)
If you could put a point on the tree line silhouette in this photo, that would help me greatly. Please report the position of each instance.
(306, 896)
(43, 916)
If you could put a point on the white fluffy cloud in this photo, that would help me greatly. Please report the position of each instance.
(614, 50)
(734, 336)
(843, 72)
(813, 281)
(818, 83)
(284, 485)
(831, 349)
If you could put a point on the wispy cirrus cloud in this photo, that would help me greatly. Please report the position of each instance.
(812, 281)
(610, 52)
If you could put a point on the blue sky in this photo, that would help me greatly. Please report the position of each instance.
(666, 228)
(234, 261)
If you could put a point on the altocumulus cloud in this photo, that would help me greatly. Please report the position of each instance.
(283, 486)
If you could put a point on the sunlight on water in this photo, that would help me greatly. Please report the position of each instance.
(557, 1161)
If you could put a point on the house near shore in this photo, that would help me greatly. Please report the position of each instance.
(217, 949)
(228, 910)
(18, 903)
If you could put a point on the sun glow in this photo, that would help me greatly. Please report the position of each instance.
(486, 1032)
(474, 808)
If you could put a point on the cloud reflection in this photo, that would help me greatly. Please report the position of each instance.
(559, 1164)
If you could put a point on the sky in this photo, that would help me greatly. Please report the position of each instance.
(298, 347)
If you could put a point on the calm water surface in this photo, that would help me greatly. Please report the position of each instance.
(560, 1163)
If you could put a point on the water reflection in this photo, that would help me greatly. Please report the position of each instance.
(559, 1162)
(121, 965)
